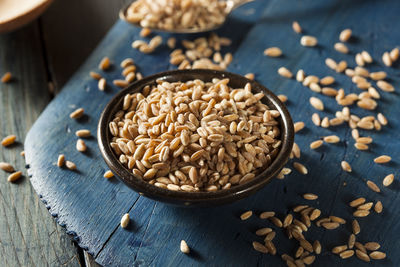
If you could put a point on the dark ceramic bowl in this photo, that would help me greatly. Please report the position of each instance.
(196, 198)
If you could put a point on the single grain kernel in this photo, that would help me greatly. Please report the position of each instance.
(108, 174)
(316, 144)
(246, 215)
(104, 63)
(316, 103)
(308, 40)
(346, 166)
(14, 176)
(60, 160)
(345, 35)
(296, 27)
(373, 186)
(284, 72)
(6, 167)
(76, 114)
(273, 52)
(8, 140)
(388, 180)
(378, 207)
(125, 220)
(382, 159)
(6, 77)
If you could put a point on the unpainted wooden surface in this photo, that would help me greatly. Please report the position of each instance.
(28, 236)
(90, 207)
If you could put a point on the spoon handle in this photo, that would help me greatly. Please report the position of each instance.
(238, 3)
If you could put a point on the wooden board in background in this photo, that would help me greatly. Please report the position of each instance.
(90, 206)
(28, 236)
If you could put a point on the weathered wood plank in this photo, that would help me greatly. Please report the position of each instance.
(29, 237)
(91, 207)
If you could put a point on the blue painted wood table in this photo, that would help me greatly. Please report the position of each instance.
(90, 207)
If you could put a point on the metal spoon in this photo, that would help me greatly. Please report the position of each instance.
(230, 6)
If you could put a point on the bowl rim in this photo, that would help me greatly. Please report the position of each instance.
(227, 195)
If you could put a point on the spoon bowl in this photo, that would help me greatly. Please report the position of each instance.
(196, 198)
(230, 6)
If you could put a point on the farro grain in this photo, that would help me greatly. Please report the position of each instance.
(357, 202)
(331, 63)
(70, 165)
(385, 86)
(120, 83)
(345, 35)
(84, 133)
(346, 254)
(339, 249)
(361, 146)
(308, 40)
(246, 215)
(298, 126)
(378, 207)
(296, 27)
(382, 119)
(77, 113)
(341, 47)
(276, 221)
(310, 196)
(359, 60)
(328, 80)
(13, 177)
(127, 62)
(61, 160)
(288, 220)
(386, 59)
(6, 167)
(271, 247)
(382, 159)
(306, 245)
(8, 140)
(316, 144)
(316, 103)
(108, 174)
(379, 75)
(270, 236)
(355, 227)
(361, 213)
(299, 252)
(263, 231)
(104, 63)
(346, 166)
(373, 186)
(362, 255)
(6, 77)
(300, 168)
(95, 75)
(80, 145)
(394, 54)
(284, 72)
(300, 75)
(366, 206)
(273, 52)
(315, 214)
(341, 66)
(366, 57)
(351, 241)
(102, 84)
(282, 98)
(125, 220)
(388, 180)
(377, 255)
(267, 214)
(316, 119)
(360, 246)
(259, 247)
(310, 79)
(330, 225)
(315, 87)
(332, 139)
(371, 246)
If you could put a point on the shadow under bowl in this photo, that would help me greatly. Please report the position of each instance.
(196, 198)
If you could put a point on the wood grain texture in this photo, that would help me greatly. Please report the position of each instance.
(28, 236)
(90, 206)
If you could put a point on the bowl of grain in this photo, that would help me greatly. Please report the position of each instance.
(195, 137)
